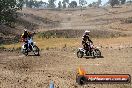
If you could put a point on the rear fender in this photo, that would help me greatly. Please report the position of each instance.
(94, 48)
(97, 47)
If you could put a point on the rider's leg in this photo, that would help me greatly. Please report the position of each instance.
(26, 45)
(86, 50)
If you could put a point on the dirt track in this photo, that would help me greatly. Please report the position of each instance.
(18, 71)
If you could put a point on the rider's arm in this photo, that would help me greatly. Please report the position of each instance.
(90, 40)
(22, 37)
(83, 39)
(83, 42)
(29, 35)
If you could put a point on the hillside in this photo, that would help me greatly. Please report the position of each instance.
(104, 18)
(114, 21)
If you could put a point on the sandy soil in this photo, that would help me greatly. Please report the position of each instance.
(60, 66)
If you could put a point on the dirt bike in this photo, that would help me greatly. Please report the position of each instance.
(94, 51)
(29, 46)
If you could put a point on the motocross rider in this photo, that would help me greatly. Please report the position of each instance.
(25, 37)
(86, 38)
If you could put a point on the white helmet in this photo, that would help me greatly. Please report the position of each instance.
(86, 32)
(25, 29)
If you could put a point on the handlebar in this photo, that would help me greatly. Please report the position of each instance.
(26, 39)
(89, 43)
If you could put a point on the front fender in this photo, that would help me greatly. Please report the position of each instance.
(23, 46)
(81, 49)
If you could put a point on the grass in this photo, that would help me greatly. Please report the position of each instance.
(57, 42)
(12, 46)
(78, 33)
(71, 42)
(2, 47)
(50, 43)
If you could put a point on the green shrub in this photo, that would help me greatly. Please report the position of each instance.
(2, 48)
(47, 48)
(78, 33)
(18, 49)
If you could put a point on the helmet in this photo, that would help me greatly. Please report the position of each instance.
(86, 32)
(25, 30)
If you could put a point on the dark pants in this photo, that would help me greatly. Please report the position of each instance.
(26, 45)
(86, 47)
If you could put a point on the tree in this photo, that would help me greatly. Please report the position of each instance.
(67, 1)
(59, 4)
(123, 1)
(26, 2)
(8, 10)
(64, 3)
(94, 4)
(30, 3)
(38, 4)
(82, 2)
(99, 3)
(130, 1)
(52, 3)
(73, 4)
(45, 5)
(34, 3)
(113, 2)
(90, 5)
